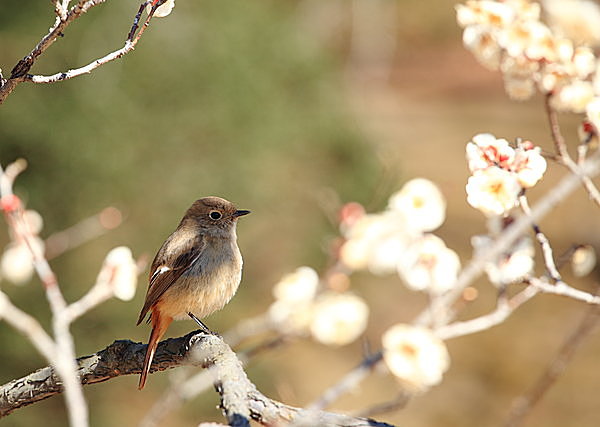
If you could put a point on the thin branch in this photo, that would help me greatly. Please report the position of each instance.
(563, 289)
(196, 348)
(523, 404)
(395, 404)
(543, 241)
(95, 296)
(28, 326)
(20, 73)
(349, 382)
(500, 314)
(563, 154)
(85, 230)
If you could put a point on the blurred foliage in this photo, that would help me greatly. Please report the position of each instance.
(222, 98)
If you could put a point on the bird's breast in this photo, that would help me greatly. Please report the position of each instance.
(208, 284)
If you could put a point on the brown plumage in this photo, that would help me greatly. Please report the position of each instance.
(195, 272)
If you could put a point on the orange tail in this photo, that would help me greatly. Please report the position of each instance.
(159, 327)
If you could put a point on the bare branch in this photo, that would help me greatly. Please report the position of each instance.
(82, 232)
(28, 326)
(394, 404)
(563, 154)
(503, 310)
(20, 72)
(563, 289)
(543, 241)
(523, 404)
(196, 348)
(349, 382)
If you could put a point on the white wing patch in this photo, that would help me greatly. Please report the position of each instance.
(162, 269)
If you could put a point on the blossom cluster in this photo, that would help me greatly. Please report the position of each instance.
(500, 172)
(332, 318)
(415, 356)
(16, 263)
(512, 265)
(399, 239)
(554, 58)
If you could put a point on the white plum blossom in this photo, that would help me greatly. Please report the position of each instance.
(494, 191)
(377, 241)
(486, 150)
(291, 318)
(529, 165)
(415, 356)
(578, 20)
(362, 248)
(385, 255)
(16, 264)
(294, 295)
(430, 265)
(163, 10)
(481, 43)
(519, 89)
(511, 266)
(422, 204)
(573, 97)
(339, 319)
(119, 273)
(593, 112)
(583, 260)
(485, 13)
(34, 221)
(500, 172)
(297, 287)
(509, 36)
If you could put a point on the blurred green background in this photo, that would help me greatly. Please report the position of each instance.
(285, 108)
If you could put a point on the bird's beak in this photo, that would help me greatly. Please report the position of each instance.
(240, 213)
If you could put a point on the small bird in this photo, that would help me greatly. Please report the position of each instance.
(196, 271)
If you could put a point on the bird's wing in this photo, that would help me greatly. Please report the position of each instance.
(168, 265)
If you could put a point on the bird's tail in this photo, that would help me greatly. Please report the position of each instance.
(159, 327)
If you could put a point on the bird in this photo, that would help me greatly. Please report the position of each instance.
(196, 271)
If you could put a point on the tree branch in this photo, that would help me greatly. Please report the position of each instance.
(20, 72)
(240, 400)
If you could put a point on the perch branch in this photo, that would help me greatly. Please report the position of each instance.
(239, 397)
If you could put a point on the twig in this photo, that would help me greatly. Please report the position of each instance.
(348, 382)
(28, 326)
(196, 348)
(398, 402)
(20, 73)
(500, 314)
(61, 9)
(543, 241)
(523, 404)
(563, 289)
(82, 232)
(563, 154)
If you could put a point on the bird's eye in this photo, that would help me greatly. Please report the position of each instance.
(215, 215)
